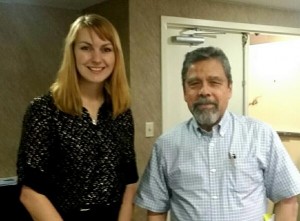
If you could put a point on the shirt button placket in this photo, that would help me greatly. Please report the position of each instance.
(213, 171)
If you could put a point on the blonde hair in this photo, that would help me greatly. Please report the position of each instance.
(65, 89)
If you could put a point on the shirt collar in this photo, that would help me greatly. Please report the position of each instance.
(224, 123)
(220, 128)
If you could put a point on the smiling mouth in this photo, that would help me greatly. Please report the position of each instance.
(206, 106)
(96, 68)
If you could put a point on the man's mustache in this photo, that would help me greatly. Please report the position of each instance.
(204, 101)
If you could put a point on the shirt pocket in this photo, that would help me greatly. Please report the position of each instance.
(245, 176)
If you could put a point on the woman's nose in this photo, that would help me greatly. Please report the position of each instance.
(96, 56)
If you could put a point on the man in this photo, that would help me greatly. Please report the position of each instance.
(217, 166)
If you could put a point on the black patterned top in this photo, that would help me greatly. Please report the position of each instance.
(72, 161)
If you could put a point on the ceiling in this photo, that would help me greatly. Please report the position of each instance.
(276, 4)
(68, 4)
(81, 4)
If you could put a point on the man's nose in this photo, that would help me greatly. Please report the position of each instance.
(204, 90)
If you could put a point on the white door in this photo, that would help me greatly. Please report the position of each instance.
(175, 109)
(274, 84)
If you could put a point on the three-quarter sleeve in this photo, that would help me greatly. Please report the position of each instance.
(35, 146)
(126, 136)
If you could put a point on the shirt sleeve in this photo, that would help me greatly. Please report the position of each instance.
(35, 144)
(282, 178)
(152, 193)
(125, 132)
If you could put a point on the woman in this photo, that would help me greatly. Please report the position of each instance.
(76, 157)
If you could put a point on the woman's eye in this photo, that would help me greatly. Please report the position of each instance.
(107, 49)
(85, 48)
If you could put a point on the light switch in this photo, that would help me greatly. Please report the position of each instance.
(149, 129)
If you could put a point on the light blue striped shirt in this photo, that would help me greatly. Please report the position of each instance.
(223, 176)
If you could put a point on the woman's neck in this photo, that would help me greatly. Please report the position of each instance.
(92, 97)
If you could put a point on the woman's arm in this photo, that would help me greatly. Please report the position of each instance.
(127, 206)
(38, 205)
(287, 209)
(152, 216)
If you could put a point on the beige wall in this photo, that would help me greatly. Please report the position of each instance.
(31, 39)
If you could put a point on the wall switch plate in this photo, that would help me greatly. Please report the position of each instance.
(149, 129)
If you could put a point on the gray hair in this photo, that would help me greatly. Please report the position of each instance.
(205, 53)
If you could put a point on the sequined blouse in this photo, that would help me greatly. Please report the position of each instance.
(72, 161)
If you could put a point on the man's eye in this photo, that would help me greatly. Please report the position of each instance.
(193, 83)
(216, 82)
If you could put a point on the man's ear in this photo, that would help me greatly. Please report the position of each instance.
(230, 90)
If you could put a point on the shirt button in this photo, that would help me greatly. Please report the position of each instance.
(213, 170)
(214, 197)
(211, 145)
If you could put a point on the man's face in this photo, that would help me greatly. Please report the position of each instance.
(207, 92)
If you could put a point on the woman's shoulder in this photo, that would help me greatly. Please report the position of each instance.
(42, 103)
(123, 120)
(127, 114)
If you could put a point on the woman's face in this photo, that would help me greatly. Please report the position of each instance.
(94, 57)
